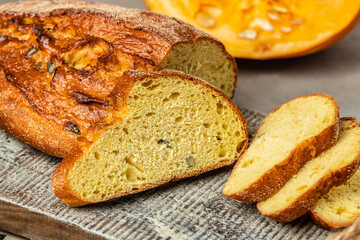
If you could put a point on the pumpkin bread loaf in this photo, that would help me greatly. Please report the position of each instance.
(316, 177)
(60, 62)
(288, 137)
(173, 126)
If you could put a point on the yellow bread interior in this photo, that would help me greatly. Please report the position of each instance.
(174, 129)
(206, 60)
(341, 205)
(342, 154)
(278, 135)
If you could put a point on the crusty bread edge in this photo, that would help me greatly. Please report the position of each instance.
(59, 179)
(277, 176)
(30, 135)
(306, 201)
(14, 118)
(328, 225)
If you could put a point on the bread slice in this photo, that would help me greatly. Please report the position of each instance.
(287, 138)
(340, 206)
(60, 60)
(316, 177)
(174, 126)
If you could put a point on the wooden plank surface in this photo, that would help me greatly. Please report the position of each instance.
(35, 226)
(192, 208)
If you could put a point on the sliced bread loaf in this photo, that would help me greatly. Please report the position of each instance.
(316, 177)
(174, 126)
(286, 139)
(60, 60)
(340, 206)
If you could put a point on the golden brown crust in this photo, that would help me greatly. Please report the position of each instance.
(26, 126)
(61, 97)
(318, 221)
(277, 176)
(59, 180)
(328, 225)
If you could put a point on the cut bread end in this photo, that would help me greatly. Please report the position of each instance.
(317, 176)
(206, 59)
(287, 138)
(176, 126)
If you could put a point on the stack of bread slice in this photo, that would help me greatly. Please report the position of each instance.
(301, 151)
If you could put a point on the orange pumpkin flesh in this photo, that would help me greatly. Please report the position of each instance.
(266, 29)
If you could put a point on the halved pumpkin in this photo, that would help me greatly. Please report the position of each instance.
(265, 29)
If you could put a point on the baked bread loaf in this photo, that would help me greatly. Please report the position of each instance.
(173, 126)
(340, 206)
(287, 138)
(61, 60)
(316, 177)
